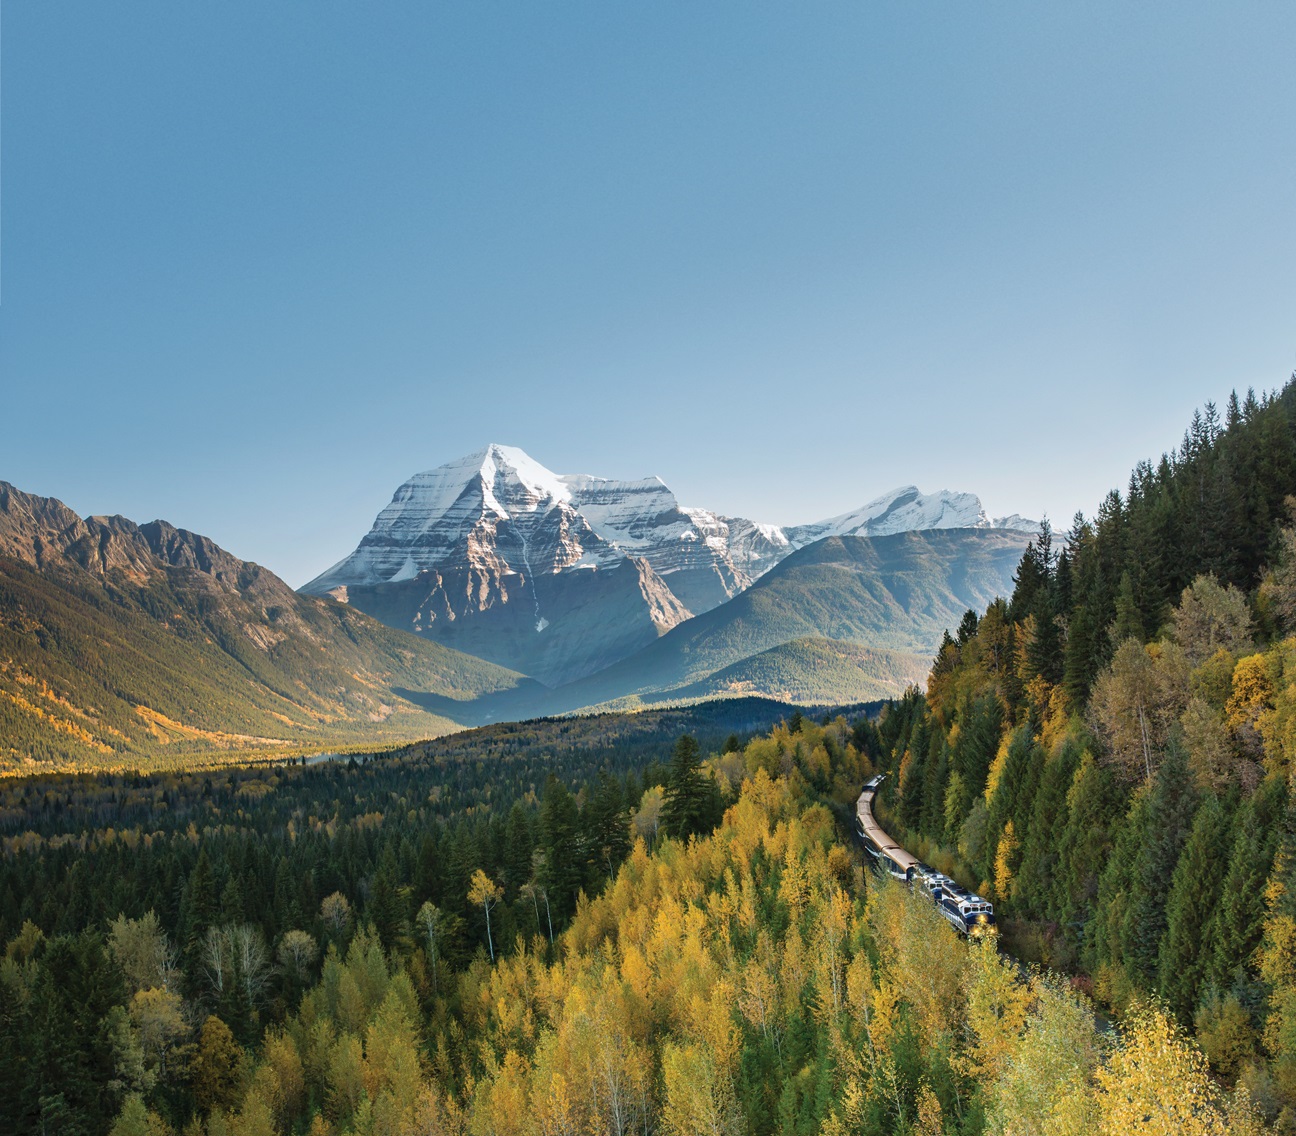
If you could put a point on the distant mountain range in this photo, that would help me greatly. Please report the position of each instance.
(489, 589)
(844, 619)
(561, 576)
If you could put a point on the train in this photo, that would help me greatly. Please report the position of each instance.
(969, 914)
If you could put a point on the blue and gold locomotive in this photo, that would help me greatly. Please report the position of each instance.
(969, 914)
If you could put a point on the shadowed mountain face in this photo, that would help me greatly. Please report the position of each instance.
(119, 640)
(555, 627)
(893, 594)
(496, 555)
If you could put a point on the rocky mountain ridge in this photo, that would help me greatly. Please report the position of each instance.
(496, 532)
(121, 641)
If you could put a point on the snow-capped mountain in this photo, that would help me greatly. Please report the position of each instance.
(494, 542)
(908, 510)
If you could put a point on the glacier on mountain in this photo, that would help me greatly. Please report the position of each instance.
(499, 513)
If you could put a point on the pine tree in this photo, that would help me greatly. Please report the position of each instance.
(1194, 891)
(1238, 923)
(691, 803)
(1171, 805)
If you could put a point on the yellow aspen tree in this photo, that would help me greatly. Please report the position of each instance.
(485, 893)
(391, 1063)
(793, 887)
(758, 997)
(137, 1120)
(997, 1007)
(1252, 690)
(793, 969)
(1005, 855)
(874, 1005)
(158, 1015)
(216, 1067)
(345, 1077)
(1157, 1082)
(929, 1121)
(831, 929)
(1044, 1088)
(255, 1118)
(551, 1096)
(281, 1056)
(509, 1109)
(695, 1103)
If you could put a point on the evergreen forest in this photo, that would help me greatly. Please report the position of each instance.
(1107, 754)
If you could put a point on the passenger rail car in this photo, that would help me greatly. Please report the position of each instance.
(969, 914)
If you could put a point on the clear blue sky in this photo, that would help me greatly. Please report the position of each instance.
(261, 261)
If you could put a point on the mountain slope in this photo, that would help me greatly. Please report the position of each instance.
(815, 671)
(895, 593)
(121, 643)
(497, 555)
(554, 626)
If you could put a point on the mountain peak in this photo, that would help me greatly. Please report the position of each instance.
(504, 513)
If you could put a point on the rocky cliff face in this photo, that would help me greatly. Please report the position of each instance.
(499, 556)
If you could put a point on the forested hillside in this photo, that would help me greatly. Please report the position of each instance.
(888, 596)
(720, 974)
(1108, 753)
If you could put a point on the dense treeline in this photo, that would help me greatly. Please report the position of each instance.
(248, 875)
(1108, 753)
(735, 977)
(459, 772)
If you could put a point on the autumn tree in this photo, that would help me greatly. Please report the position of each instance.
(216, 1066)
(140, 948)
(485, 893)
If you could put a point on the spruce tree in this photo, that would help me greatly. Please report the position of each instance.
(564, 858)
(518, 846)
(1040, 849)
(1084, 843)
(1194, 892)
(607, 826)
(1129, 620)
(690, 804)
(388, 906)
(1238, 922)
(978, 740)
(1171, 806)
(1107, 945)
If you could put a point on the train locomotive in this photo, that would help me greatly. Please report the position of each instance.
(969, 914)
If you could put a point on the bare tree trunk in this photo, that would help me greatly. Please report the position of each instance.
(1147, 754)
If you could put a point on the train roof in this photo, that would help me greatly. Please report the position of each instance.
(877, 837)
